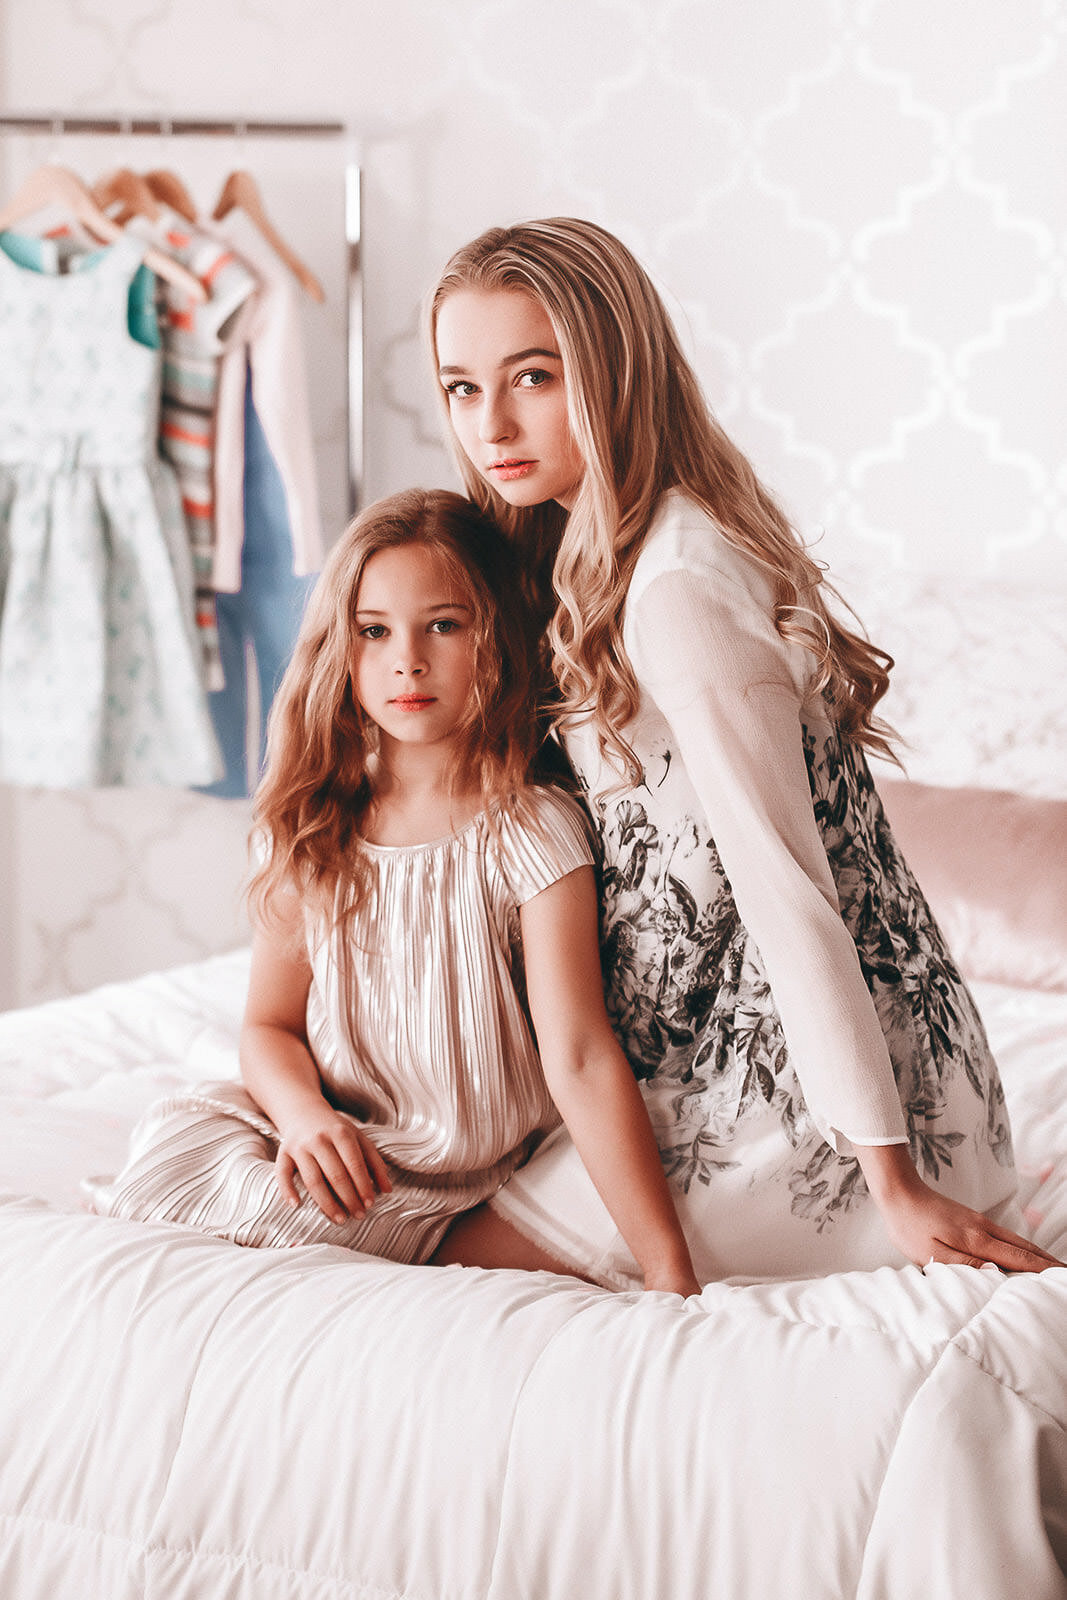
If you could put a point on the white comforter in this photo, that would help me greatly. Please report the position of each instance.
(184, 1420)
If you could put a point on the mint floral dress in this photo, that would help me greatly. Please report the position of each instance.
(100, 680)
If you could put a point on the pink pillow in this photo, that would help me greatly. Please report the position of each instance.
(993, 865)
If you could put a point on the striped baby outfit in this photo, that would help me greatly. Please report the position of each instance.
(194, 337)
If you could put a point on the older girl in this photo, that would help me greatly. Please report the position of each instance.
(816, 1071)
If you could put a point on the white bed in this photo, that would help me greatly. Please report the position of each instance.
(182, 1419)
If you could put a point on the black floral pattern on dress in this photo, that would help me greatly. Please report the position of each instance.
(690, 1000)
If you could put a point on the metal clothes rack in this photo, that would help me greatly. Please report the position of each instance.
(75, 122)
(60, 124)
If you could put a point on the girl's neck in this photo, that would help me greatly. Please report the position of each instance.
(413, 802)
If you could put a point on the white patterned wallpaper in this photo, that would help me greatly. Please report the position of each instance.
(856, 209)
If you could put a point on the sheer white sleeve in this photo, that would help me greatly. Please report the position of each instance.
(706, 651)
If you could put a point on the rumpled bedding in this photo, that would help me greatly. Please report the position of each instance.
(181, 1418)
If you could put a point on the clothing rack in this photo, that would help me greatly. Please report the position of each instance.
(59, 124)
(222, 127)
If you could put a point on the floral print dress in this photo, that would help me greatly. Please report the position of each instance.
(100, 675)
(771, 966)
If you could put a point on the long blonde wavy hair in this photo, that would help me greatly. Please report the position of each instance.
(321, 744)
(642, 425)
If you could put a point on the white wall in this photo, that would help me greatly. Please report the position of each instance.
(857, 211)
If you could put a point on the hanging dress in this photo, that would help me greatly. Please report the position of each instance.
(100, 678)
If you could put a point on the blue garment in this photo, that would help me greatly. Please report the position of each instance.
(264, 614)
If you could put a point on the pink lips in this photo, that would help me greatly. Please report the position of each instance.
(511, 469)
(413, 702)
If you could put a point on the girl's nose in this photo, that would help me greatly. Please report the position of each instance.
(496, 422)
(410, 663)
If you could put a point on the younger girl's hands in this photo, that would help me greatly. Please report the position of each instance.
(681, 1280)
(341, 1168)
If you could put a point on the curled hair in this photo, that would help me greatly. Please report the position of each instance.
(321, 744)
(642, 425)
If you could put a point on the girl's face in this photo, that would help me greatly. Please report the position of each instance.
(414, 662)
(501, 368)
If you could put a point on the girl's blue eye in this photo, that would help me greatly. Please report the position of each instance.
(534, 378)
(373, 630)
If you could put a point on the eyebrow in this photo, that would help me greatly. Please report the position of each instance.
(509, 361)
(435, 605)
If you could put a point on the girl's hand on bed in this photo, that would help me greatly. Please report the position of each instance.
(682, 1280)
(928, 1227)
(340, 1167)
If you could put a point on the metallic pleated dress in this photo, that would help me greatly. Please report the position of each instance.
(420, 1032)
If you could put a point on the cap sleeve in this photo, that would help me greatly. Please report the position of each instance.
(541, 840)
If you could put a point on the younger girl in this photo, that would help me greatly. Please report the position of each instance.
(418, 900)
(818, 1076)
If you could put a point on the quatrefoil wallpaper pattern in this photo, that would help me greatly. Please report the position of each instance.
(855, 208)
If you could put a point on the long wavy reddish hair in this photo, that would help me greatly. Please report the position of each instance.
(320, 745)
(642, 425)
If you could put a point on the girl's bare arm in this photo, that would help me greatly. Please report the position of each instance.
(592, 1082)
(340, 1168)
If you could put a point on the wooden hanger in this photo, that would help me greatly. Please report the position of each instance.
(128, 191)
(52, 184)
(169, 188)
(241, 190)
